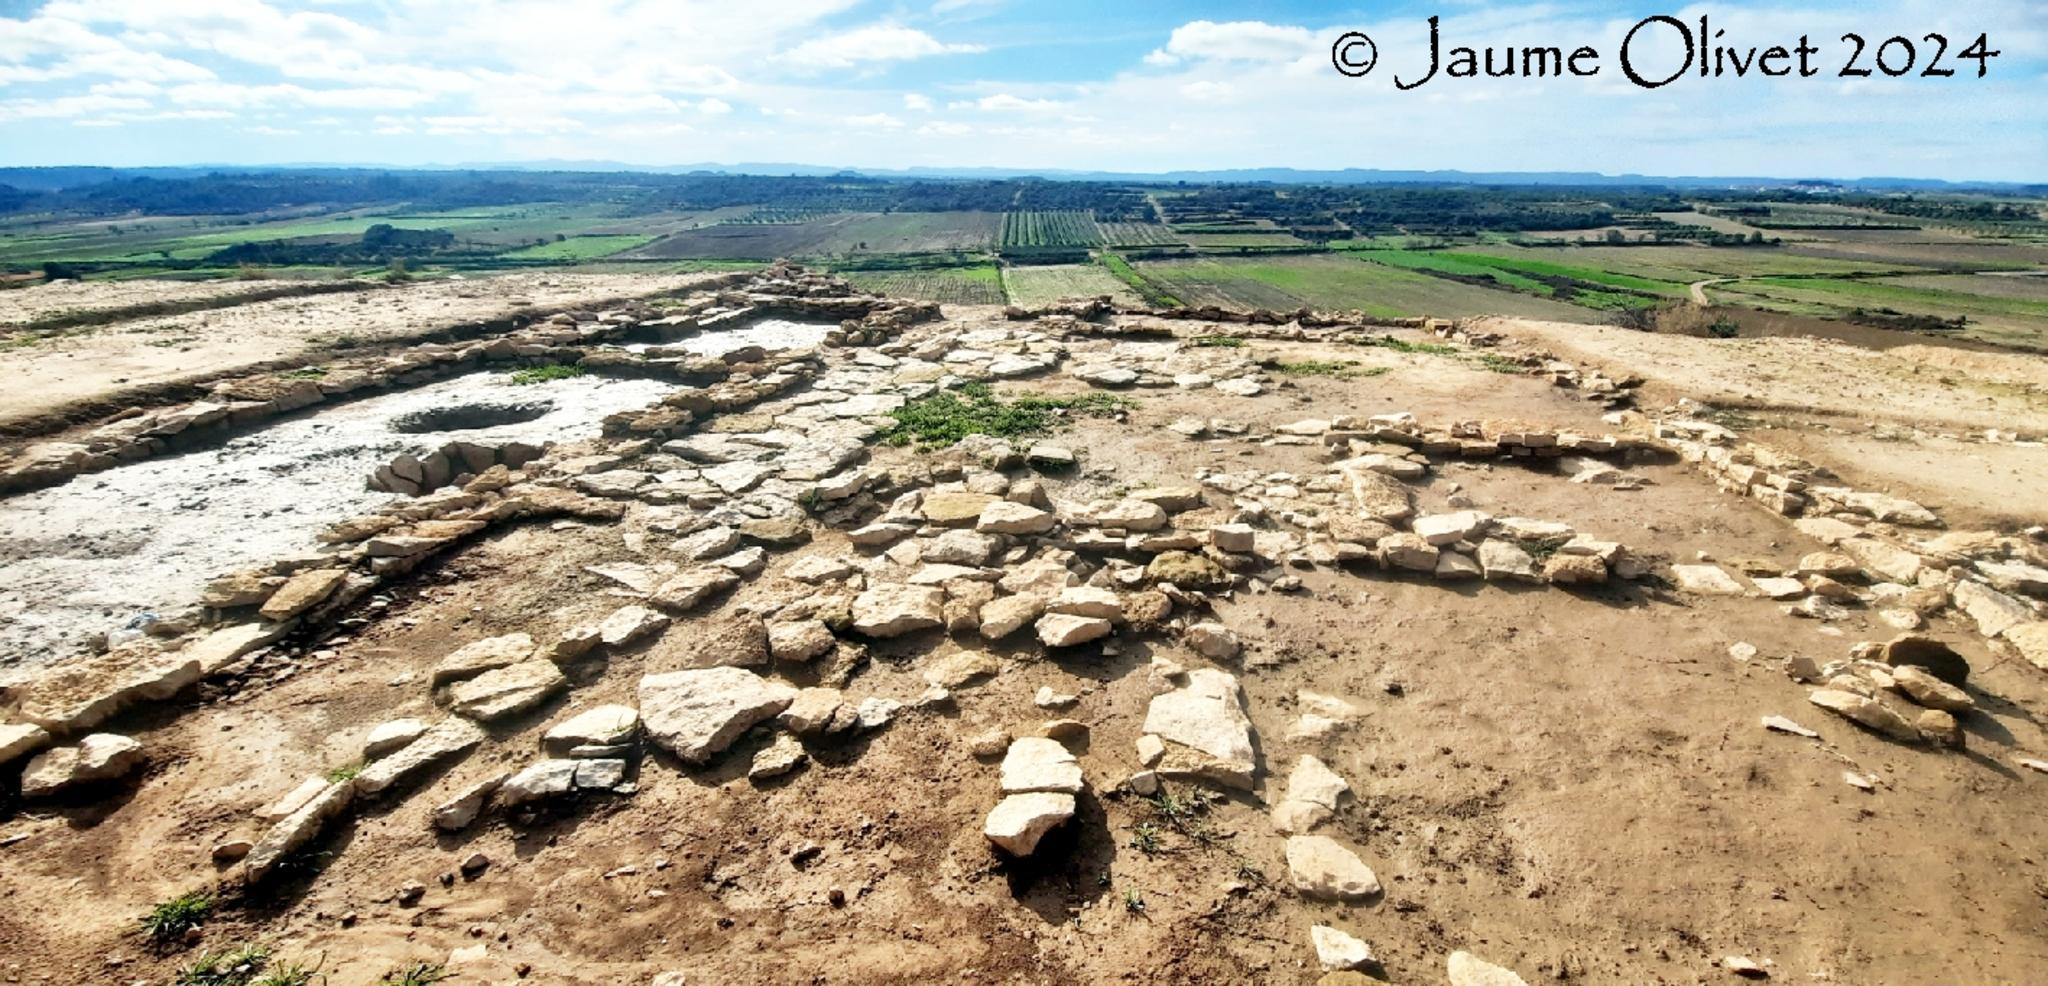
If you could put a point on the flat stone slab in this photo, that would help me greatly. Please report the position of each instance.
(892, 610)
(698, 713)
(506, 691)
(488, 654)
(1205, 730)
(604, 725)
(1020, 821)
(444, 739)
(78, 695)
(1035, 763)
(1320, 868)
(293, 831)
(99, 757)
(1707, 580)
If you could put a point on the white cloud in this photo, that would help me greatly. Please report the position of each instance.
(917, 102)
(874, 121)
(1250, 41)
(1003, 102)
(877, 43)
(1208, 91)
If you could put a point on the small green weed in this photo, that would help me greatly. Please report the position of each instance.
(1218, 342)
(418, 974)
(542, 374)
(232, 968)
(1499, 364)
(1145, 839)
(288, 974)
(1134, 902)
(1344, 370)
(346, 772)
(168, 921)
(1403, 346)
(1185, 814)
(949, 416)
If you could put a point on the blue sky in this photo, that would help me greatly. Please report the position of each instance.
(1146, 86)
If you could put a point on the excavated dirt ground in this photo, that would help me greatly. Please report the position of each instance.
(98, 363)
(1569, 783)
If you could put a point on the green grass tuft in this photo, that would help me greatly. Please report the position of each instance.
(238, 967)
(542, 374)
(417, 974)
(1403, 346)
(949, 416)
(168, 921)
(1344, 370)
(1218, 342)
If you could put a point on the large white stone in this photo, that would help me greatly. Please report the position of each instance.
(1337, 951)
(1035, 763)
(1020, 821)
(893, 609)
(98, 757)
(696, 714)
(443, 739)
(1466, 969)
(1320, 868)
(1206, 731)
(488, 654)
(507, 691)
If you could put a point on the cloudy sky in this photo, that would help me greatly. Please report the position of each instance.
(1145, 86)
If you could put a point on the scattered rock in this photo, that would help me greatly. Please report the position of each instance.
(1319, 868)
(1707, 580)
(1938, 658)
(893, 609)
(303, 592)
(97, 757)
(507, 691)
(601, 726)
(390, 736)
(1866, 712)
(629, 625)
(1929, 691)
(1781, 724)
(777, 759)
(1036, 763)
(458, 812)
(447, 738)
(1068, 630)
(1020, 821)
(1466, 969)
(1338, 951)
(489, 654)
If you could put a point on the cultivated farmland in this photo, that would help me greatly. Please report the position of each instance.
(1042, 285)
(1059, 229)
(1341, 283)
(979, 284)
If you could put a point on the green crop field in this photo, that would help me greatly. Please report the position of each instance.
(1041, 285)
(1244, 238)
(1138, 234)
(980, 284)
(1065, 228)
(1341, 283)
(579, 248)
(2019, 322)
